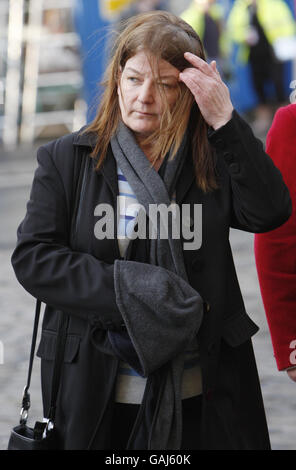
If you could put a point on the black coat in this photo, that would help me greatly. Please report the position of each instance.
(76, 276)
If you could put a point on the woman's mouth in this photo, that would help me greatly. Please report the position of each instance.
(143, 113)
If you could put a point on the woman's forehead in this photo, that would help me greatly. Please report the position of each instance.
(142, 61)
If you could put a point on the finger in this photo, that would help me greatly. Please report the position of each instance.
(196, 74)
(200, 64)
(213, 65)
(197, 77)
(189, 77)
(192, 84)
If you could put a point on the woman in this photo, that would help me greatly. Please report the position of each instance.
(275, 251)
(159, 354)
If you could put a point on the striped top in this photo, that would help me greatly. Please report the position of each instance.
(130, 385)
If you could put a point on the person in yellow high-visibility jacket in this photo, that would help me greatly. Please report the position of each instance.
(206, 17)
(255, 25)
(274, 16)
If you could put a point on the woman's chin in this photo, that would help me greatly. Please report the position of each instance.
(144, 131)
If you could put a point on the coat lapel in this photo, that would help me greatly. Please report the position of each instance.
(108, 169)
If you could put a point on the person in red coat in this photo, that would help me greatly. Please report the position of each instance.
(275, 251)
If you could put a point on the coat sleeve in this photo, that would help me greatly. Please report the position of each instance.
(46, 266)
(275, 251)
(260, 200)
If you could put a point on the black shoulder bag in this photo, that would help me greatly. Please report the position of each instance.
(44, 435)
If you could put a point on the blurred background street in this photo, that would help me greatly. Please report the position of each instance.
(52, 55)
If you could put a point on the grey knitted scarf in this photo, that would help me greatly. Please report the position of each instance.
(160, 309)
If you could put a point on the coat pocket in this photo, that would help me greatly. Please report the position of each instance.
(238, 328)
(47, 346)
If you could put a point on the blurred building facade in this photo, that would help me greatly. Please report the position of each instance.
(40, 70)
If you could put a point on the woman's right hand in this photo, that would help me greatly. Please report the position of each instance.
(210, 92)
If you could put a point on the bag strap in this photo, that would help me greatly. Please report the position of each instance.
(57, 368)
(62, 326)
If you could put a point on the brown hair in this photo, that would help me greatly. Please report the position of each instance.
(164, 36)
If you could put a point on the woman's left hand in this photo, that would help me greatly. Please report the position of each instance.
(292, 374)
(210, 92)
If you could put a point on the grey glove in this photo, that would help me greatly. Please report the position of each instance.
(161, 311)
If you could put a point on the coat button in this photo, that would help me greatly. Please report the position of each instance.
(220, 143)
(207, 306)
(228, 157)
(109, 325)
(94, 321)
(234, 167)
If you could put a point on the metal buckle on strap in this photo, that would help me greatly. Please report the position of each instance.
(24, 416)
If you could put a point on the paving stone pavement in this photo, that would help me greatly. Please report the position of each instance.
(17, 313)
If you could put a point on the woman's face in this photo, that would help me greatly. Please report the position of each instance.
(140, 100)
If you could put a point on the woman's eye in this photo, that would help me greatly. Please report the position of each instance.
(166, 85)
(133, 79)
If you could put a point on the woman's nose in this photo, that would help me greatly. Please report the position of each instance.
(146, 93)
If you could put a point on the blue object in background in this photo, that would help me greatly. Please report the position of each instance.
(93, 31)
